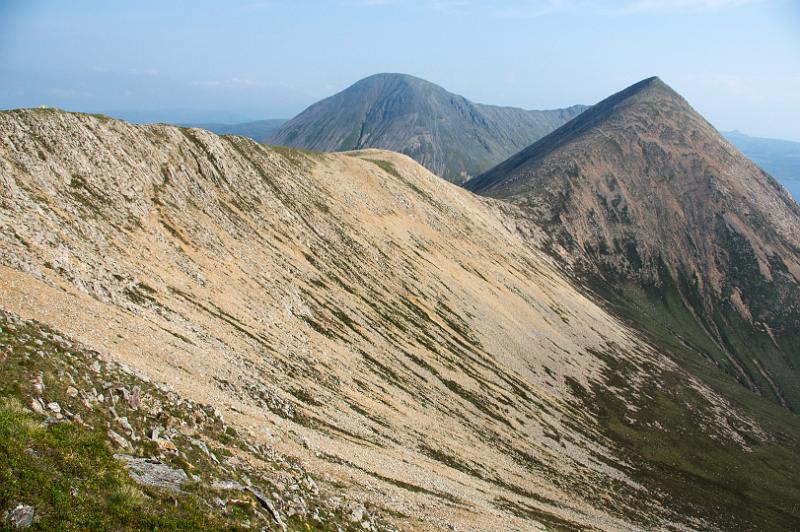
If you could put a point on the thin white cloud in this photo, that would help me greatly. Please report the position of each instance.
(449, 5)
(150, 72)
(247, 82)
(692, 5)
(540, 8)
(237, 82)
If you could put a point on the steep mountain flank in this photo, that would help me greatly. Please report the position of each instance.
(652, 200)
(451, 136)
(386, 349)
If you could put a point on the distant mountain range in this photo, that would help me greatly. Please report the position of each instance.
(448, 134)
(177, 116)
(781, 158)
(259, 130)
(663, 212)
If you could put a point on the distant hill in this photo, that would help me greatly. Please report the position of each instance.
(259, 130)
(676, 226)
(450, 135)
(781, 158)
(177, 116)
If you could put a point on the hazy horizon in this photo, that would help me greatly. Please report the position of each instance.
(736, 61)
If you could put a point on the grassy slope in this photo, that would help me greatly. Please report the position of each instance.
(70, 476)
(700, 475)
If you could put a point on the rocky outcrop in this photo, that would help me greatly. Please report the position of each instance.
(153, 472)
(21, 516)
(176, 450)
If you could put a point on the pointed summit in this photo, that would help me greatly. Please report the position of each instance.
(652, 82)
(644, 94)
(450, 135)
(640, 190)
(389, 79)
(650, 85)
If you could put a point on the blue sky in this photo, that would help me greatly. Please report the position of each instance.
(736, 61)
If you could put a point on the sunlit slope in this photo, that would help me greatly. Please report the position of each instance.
(406, 340)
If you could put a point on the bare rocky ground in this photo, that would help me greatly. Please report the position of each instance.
(358, 341)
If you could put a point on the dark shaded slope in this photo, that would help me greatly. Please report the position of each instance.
(499, 179)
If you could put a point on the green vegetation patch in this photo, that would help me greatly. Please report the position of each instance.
(695, 470)
(71, 478)
(386, 166)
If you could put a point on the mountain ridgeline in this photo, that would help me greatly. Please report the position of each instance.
(448, 134)
(370, 346)
(675, 227)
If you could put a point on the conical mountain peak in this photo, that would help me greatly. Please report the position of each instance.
(641, 189)
(639, 106)
(651, 83)
(647, 88)
(395, 78)
(450, 135)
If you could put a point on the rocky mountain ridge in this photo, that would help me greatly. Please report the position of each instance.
(410, 345)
